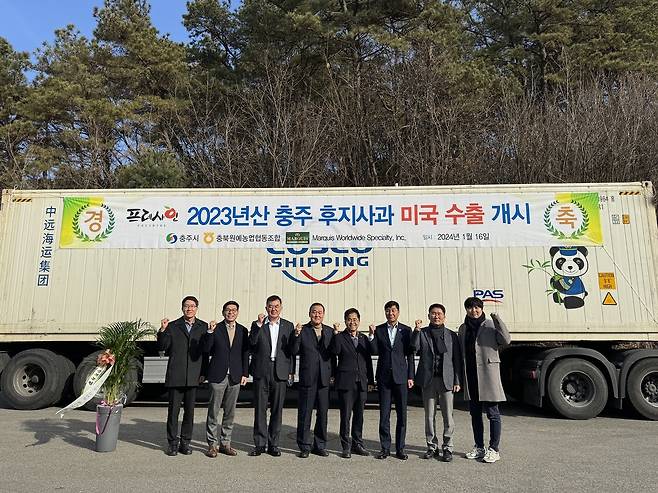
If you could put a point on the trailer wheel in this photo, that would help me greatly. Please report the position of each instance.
(68, 371)
(643, 388)
(86, 367)
(577, 389)
(4, 360)
(33, 379)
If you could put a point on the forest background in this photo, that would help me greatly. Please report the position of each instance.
(315, 93)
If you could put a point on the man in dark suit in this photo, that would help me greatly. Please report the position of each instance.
(227, 345)
(353, 378)
(271, 367)
(439, 376)
(395, 374)
(181, 341)
(311, 342)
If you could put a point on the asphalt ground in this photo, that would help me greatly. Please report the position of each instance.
(540, 452)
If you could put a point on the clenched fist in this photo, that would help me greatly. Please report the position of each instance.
(419, 324)
(298, 329)
(164, 323)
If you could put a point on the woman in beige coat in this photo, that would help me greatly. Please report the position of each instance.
(480, 339)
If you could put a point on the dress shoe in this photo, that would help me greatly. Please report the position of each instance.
(447, 455)
(228, 450)
(429, 454)
(303, 454)
(211, 452)
(320, 451)
(346, 454)
(257, 451)
(274, 451)
(401, 455)
(172, 450)
(359, 450)
(185, 449)
(382, 454)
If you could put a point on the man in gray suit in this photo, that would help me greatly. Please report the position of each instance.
(480, 340)
(439, 376)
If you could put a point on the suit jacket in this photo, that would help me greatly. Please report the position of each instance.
(227, 358)
(316, 362)
(184, 351)
(421, 342)
(490, 338)
(260, 341)
(398, 358)
(352, 361)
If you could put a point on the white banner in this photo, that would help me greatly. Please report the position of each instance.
(331, 221)
(92, 387)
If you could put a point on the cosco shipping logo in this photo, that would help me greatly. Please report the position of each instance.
(296, 263)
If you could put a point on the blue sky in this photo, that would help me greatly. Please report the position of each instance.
(26, 24)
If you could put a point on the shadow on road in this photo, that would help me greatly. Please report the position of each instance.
(72, 431)
(151, 435)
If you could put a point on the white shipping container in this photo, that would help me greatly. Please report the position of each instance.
(90, 287)
(570, 268)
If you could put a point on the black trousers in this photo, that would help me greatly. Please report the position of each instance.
(186, 396)
(352, 402)
(391, 392)
(495, 423)
(312, 397)
(271, 389)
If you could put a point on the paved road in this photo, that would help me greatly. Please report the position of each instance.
(539, 453)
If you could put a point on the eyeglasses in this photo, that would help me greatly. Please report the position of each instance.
(189, 306)
(231, 310)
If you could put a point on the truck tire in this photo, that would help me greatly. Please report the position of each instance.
(642, 388)
(86, 366)
(577, 389)
(68, 371)
(33, 379)
(4, 360)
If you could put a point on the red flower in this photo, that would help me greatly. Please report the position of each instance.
(105, 358)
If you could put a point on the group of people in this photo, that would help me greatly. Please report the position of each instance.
(225, 353)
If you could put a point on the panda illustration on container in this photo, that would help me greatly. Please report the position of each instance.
(569, 264)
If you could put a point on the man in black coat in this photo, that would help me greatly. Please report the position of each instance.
(395, 375)
(271, 367)
(353, 378)
(181, 341)
(439, 376)
(227, 345)
(311, 342)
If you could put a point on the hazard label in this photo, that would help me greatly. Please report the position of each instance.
(609, 300)
(607, 281)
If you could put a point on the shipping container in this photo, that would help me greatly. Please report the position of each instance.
(570, 268)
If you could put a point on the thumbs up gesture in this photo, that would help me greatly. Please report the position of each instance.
(298, 329)
(336, 327)
(419, 324)
(211, 326)
(261, 319)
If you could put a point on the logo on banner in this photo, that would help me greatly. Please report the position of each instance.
(296, 263)
(171, 238)
(569, 217)
(93, 223)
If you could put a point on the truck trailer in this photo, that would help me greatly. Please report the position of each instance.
(570, 268)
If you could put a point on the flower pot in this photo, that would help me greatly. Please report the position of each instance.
(108, 419)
